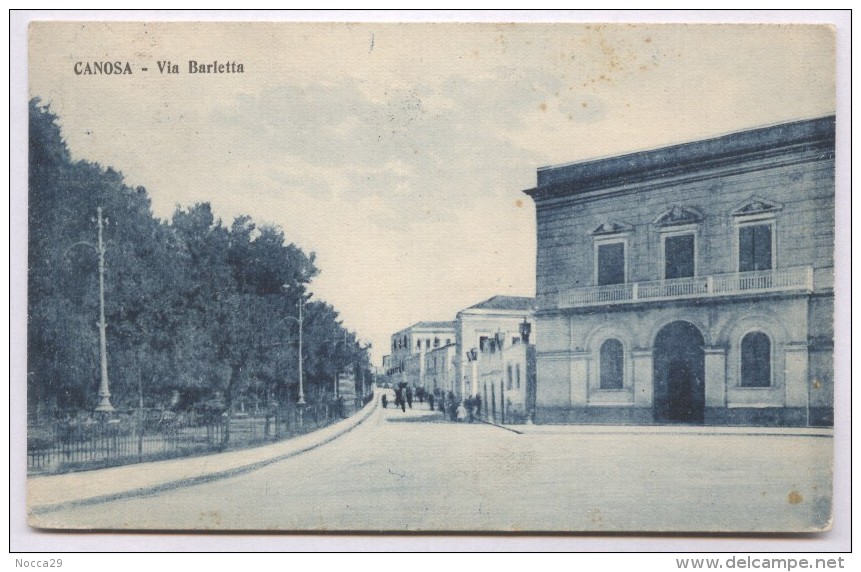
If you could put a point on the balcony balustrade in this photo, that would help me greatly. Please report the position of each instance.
(733, 284)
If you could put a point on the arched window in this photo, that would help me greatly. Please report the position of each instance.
(612, 363)
(755, 360)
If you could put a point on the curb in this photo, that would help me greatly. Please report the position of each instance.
(708, 430)
(349, 424)
(601, 429)
(492, 424)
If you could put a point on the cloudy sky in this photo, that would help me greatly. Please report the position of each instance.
(398, 152)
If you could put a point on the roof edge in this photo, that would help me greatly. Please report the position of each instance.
(663, 162)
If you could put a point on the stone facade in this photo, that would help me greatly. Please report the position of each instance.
(692, 283)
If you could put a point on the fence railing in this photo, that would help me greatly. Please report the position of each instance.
(138, 436)
(736, 283)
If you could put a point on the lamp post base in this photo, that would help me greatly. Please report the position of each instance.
(105, 406)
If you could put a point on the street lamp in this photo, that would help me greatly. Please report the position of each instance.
(299, 321)
(525, 331)
(104, 405)
(499, 338)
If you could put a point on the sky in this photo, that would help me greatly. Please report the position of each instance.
(398, 153)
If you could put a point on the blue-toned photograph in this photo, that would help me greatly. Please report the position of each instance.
(433, 277)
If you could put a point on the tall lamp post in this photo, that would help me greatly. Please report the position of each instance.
(104, 405)
(104, 387)
(299, 320)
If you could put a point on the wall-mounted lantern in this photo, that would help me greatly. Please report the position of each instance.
(525, 331)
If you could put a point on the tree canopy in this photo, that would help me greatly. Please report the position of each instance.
(196, 310)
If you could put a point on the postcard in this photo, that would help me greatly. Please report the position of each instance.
(432, 277)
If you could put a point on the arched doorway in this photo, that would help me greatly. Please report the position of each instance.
(679, 374)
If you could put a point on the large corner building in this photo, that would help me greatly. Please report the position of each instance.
(690, 284)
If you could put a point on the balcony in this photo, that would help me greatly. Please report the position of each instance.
(735, 284)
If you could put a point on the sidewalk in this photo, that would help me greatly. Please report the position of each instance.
(665, 429)
(47, 493)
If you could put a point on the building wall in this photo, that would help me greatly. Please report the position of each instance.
(795, 178)
(821, 359)
(504, 376)
(409, 347)
(471, 326)
(804, 226)
(570, 378)
(440, 369)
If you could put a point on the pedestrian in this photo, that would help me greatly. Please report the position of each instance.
(385, 401)
(430, 401)
(399, 399)
(410, 397)
(470, 407)
(461, 412)
(478, 404)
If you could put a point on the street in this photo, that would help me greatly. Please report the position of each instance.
(414, 471)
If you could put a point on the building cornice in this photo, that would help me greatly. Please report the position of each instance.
(501, 313)
(785, 144)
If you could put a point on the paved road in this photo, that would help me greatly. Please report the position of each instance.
(413, 471)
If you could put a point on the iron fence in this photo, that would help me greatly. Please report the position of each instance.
(92, 442)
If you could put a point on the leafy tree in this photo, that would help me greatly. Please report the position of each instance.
(195, 311)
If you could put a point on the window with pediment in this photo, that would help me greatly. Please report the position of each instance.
(610, 242)
(678, 227)
(755, 222)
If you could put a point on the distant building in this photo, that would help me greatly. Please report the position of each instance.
(691, 283)
(497, 321)
(409, 346)
(506, 381)
(440, 373)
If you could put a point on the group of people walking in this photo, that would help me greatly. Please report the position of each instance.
(445, 403)
(404, 397)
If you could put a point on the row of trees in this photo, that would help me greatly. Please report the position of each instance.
(198, 312)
